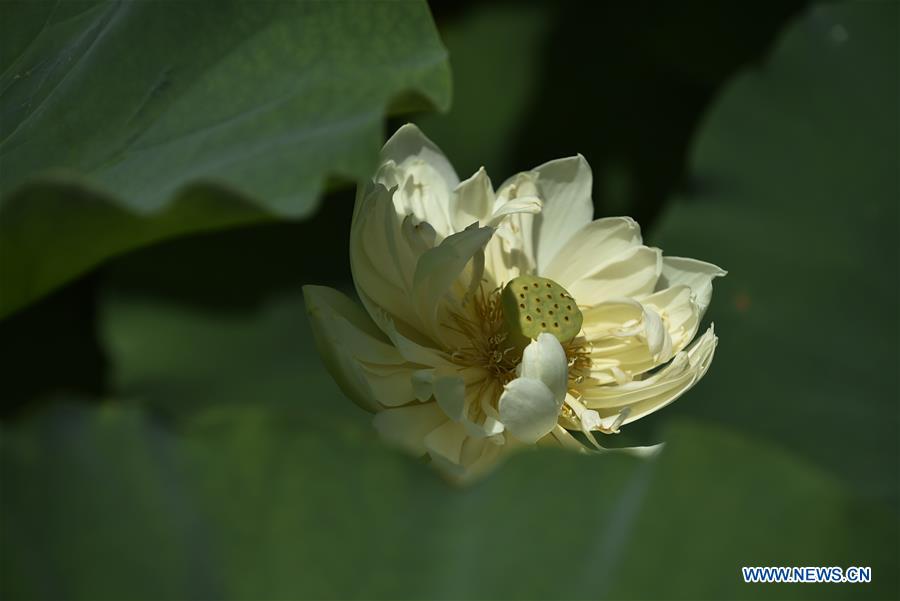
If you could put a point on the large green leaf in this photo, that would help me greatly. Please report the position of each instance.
(796, 193)
(126, 122)
(260, 504)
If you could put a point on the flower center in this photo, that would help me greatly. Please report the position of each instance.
(504, 320)
(488, 345)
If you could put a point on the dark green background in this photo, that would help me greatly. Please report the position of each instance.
(169, 432)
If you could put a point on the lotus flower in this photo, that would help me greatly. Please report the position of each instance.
(492, 320)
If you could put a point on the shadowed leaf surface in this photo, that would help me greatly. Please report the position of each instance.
(796, 188)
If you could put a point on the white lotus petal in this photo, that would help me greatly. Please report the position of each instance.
(655, 335)
(441, 267)
(630, 273)
(544, 359)
(480, 416)
(411, 350)
(409, 142)
(472, 201)
(419, 236)
(561, 437)
(345, 336)
(698, 275)
(423, 384)
(450, 394)
(682, 314)
(528, 409)
(429, 255)
(391, 385)
(446, 442)
(646, 452)
(591, 246)
(510, 253)
(646, 396)
(530, 205)
(564, 186)
(387, 280)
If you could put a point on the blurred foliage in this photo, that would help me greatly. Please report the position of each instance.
(105, 149)
(260, 504)
(180, 360)
(794, 189)
(623, 83)
(229, 465)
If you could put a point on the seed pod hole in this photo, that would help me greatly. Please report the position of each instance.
(524, 301)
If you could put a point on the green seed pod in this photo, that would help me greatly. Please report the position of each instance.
(532, 305)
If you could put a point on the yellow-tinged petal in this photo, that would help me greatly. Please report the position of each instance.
(439, 272)
(655, 392)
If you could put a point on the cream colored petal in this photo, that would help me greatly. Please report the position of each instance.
(594, 244)
(646, 396)
(408, 426)
(564, 186)
(697, 275)
(528, 409)
(472, 201)
(345, 338)
(632, 272)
